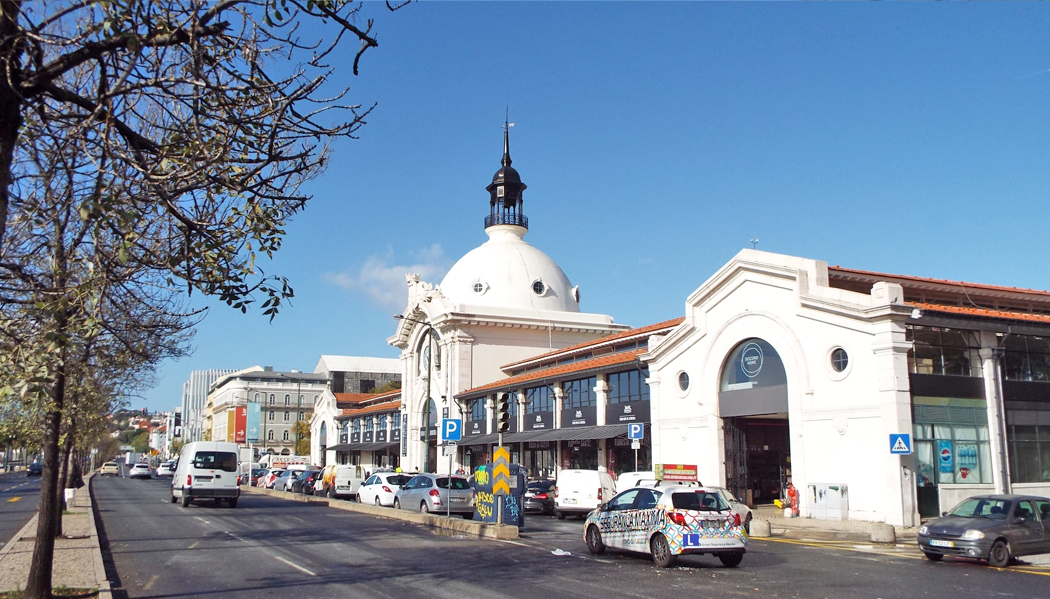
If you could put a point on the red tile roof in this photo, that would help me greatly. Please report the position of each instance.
(348, 400)
(983, 312)
(559, 372)
(667, 324)
(976, 286)
(390, 406)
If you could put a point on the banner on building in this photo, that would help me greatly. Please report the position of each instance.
(241, 423)
(254, 422)
(231, 425)
(944, 456)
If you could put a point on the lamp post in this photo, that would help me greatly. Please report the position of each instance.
(247, 436)
(429, 332)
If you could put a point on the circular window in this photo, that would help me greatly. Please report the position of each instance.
(479, 287)
(683, 381)
(538, 287)
(839, 359)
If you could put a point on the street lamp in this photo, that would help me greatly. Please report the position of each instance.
(430, 374)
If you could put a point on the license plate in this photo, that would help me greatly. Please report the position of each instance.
(691, 540)
(569, 501)
(940, 543)
(457, 500)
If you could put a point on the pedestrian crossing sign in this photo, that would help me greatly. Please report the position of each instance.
(900, 444)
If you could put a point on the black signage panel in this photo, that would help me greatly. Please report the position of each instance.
(342, 439)
(475, 428)
(355, 437)
(586, 416)
(630, 411)
(395, 435)
(367, 438)
(381, 436)
(539, 421)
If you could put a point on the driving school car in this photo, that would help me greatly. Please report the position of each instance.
(666, 522)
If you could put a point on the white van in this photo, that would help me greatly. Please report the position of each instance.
(347, 480)
(580, 491)
(206, 470)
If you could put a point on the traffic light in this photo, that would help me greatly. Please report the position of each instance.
(502, 413)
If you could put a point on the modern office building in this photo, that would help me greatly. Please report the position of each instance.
(194, 397)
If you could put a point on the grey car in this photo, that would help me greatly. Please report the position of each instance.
(430, 493)
(994, 528)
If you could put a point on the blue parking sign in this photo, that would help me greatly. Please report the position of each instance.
(451, 429)
(636, 430)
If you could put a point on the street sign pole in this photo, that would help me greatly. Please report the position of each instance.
(448, 502)
(499, 498)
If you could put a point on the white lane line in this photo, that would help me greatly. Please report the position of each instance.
(202, 520)
(294, 565)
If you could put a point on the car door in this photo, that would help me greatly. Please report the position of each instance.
(612, 522)
(366, 493)
(408, 492)
(640, 525)
(1029, 529)
(1043, 507)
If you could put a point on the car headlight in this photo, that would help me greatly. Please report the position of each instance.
(924, 530)
(973, 535)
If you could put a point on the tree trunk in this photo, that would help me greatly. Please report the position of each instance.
(39, 585)
(63, 478)
(10, 101)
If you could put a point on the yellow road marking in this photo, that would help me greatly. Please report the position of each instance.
(14, 499)
(195, 543)
(149, 585)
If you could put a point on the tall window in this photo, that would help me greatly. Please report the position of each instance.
(951, 444)
(285, 435)
(315, 399)
(256, 398)
(302, 415)
(271, 414)
(302, 398)
(357, 425)
(269, 435)
(1027, 358)
(628, 386)
(539, 399)
(272, 399)
(1029, 453)
(579, 393)
(940, 350)
(287, 399)
(287, 415)
(382, 422)
(477, 409)
(369, 424)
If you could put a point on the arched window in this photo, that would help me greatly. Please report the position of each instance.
(315, 400)
(302, 415)
(270, 434)
(285, 435)
(256, 398)
(301, 399)
(287, 399)
(271, 414)
(753, 381)
(324, 433)
(287, 415)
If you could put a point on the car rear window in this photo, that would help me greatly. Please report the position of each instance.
(540, 486)
(698, 500)
(398, 479)
(216, 460)
(458, 484)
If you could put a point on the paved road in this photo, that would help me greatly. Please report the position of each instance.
(267, 547)
(19, 496)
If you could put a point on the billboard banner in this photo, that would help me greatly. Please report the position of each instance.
(231, 425)
(241, 422)
(254, 422)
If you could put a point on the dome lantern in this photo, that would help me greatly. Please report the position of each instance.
(505, 191)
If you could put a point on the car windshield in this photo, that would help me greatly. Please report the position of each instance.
(398, 479)
(978, 507)
(258, 472)
(458, 484)
(540, 486)
(216, 460)
(698, 500)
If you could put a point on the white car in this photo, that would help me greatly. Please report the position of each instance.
(140, 470)
(166, 469)
(738, 507)
(380, 489)
(666, 522)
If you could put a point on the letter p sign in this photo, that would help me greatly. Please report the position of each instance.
(635, 430)
(451, 429)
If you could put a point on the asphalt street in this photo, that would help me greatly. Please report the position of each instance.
(269, 547)
(19, 496)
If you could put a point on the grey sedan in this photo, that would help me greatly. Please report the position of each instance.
(994, 528)
(431, 493)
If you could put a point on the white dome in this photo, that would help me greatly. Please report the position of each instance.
(507, 272)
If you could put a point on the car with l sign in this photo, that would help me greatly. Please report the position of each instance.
(380, 489)
(668, 521)
(140, 470)
(994, 528)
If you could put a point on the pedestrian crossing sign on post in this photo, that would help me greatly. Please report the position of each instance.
(900, 444)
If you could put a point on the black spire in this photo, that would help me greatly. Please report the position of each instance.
(505, 191)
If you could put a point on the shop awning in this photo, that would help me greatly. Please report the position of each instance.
(377, 446)
(479, 440)
(522, 436)
(583, 433)
(344, 447)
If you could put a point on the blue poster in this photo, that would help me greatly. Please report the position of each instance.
(254, 422)
(944, 456)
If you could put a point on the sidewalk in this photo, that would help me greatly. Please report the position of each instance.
(827, 530)
(78, 558)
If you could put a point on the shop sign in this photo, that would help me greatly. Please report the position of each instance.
(679, 472)
(944, 456)
(368, 437)
(355, 437)
(586, 416)
(539, 444)
(580, 443)
(625, 442)
(475, 428)
(395, 434)
(540, 421)
(381, 436)
(404, 439)
(966, 455)
(631, 411)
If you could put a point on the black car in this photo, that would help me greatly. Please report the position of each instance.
(305, 482)
(539, 496)
(994, 528)
(35, 469)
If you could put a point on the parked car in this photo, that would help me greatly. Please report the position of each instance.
(380, 489)
(325, 480)
(993, 528)
(140, 470)
(207, 470)
(646, 478)
(304, 482)
(347, 480)
(539, 496)
(109, 468)
(284, 480)
(580, 491)
(267, 481)
(431, 493)
(738, 507)
(166, 469)
(665, 522)
(35, 469)
(251, 478)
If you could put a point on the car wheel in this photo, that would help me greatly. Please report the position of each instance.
(999, 556)
(185, 499)
(174, 499)
(731, 560)
(561, 515)
(594, 540)
(377, 502)
(747, 524)
(423, 507)
(397, 503)
(661, 551)
(232, 503)
(933, 557)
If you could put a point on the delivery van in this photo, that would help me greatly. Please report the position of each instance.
(206, 470)
(580, 491)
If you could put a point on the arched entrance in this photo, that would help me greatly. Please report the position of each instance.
(323, 442)
(753, 405)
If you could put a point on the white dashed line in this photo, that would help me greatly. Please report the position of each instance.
(296, 566)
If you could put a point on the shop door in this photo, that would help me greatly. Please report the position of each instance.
(736, 458)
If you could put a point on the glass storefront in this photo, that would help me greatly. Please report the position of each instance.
(951, 441)
(621, 456)
(579, 454)
(1029, 453)
(541, 459)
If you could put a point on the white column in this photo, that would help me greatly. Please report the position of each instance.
(559, 405)
(601, 393)
(996, 418)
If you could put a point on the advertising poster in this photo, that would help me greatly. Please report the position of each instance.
(231, 425)
(944, 457)
(241, 422)
(254, 422)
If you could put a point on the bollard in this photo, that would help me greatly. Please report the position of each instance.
(761, 529)
(883, 533)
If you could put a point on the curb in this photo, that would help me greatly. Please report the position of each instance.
(482, 530)
(104, 589)
(18, 536)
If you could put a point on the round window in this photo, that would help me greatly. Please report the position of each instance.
(683, 381)
(839, 359)
(538, 287)
(478, 287)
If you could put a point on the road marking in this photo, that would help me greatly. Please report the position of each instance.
(195, 543)
(296, 566)
(149, 585)
(202, 520)
(14, 499)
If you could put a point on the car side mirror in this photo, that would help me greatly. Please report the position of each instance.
(1019, 520)
(944, 513)
(604, 507)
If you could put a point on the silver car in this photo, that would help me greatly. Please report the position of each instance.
(430, 493)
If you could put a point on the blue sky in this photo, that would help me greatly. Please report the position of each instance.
(657, 139)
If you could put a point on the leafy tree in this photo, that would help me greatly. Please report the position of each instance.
(301, 430)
